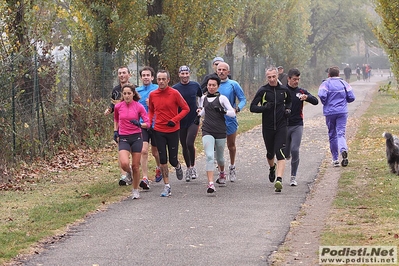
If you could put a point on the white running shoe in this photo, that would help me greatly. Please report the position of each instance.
(135, 194)
(222, 179)
(211, 188)
(188, 174)
(194, 173)
(232, 173)
(293, 182)
(166, 192)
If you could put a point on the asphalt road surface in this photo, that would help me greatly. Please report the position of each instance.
(242, 224)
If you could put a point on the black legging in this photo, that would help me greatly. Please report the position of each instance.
(275, 142)
(187, 139)
(171, 140)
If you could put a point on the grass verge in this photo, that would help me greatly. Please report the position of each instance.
(45, 206)
(366, 209)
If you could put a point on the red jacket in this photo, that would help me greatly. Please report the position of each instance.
(164, 106)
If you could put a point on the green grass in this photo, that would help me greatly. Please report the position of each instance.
(366, 208)
(45, 209)
(45, 206)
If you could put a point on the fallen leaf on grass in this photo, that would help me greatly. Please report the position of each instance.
(86, 195)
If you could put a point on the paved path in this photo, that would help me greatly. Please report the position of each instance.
(242, 225)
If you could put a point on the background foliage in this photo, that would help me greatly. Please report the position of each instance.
(388, 32)
(59, 57)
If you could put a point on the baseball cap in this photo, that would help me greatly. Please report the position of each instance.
(184, 68)
(217, 59)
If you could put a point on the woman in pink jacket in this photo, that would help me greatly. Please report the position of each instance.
(127, 132)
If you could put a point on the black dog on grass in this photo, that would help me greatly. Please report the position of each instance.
(392, 148)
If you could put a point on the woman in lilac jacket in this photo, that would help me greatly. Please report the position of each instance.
(335, 94)
(127, 132)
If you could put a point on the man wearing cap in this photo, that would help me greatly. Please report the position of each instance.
(232, 90)
(282, 77)
(215, 63)
(191, 92)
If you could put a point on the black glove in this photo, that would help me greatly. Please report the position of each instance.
(287, 113)
(268, 105)
(197, 120)
(135, 122)
(219, 109)
(116, 136)
(171, 123)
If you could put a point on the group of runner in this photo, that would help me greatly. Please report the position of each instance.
(161, 115)
(164, 116)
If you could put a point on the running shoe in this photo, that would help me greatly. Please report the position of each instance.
(194, 173)
(335, 163)
(211, 188)
(188, 174)
(122, 180)
(278, 186)
(125, 179)
(222, 178)
(344, 161)
(158, 175)
(144, 184)
(129, 179)
(179, 173)
(272, 173)
(135, 194)
(293, 182)
(232, 173)
(166, 192)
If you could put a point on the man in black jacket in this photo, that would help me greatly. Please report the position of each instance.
(274, 102)
(295, 122)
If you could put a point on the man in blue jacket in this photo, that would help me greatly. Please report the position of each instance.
(335, 94)
(233, 91)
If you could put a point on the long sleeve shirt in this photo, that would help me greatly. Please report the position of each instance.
(124, 112)
(296, 117)
(232, 90)
(164, 105)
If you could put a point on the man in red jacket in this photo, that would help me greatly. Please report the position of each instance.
(164, 104)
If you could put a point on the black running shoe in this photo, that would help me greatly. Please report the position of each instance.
(344, 161)
(144, 184)
(272, 173)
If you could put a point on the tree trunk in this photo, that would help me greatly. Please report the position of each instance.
(229, 56)
(154, 40)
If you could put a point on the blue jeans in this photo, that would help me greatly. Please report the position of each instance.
(336, 125)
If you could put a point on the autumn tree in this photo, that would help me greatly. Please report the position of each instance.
(104, 34)
(388, 32)
(333, 25)
(182, 36)
(276, 29)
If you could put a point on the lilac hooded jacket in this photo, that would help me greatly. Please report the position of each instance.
(333, 96)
